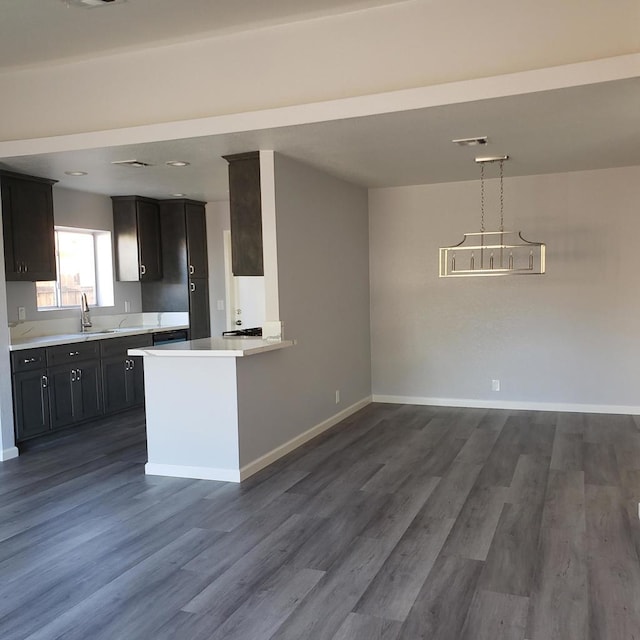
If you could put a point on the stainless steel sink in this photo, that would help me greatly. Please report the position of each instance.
(94, 331)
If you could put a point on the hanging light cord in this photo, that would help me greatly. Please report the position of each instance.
(501, 197)
(482, 198)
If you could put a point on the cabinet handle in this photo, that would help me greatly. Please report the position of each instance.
(191, 270)
(192, 286)
(26, 267)
(28, 360)
(79, 373)
(126, 365)
(74, 353)
(143, 269)
(45, 382)
(73, 375)
(133, 363)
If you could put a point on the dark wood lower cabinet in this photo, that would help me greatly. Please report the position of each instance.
(31, 404)
(58, 387)
(75, 393)
(123, 383)
(199, 323)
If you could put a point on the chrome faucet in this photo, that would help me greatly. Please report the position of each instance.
(85, 318)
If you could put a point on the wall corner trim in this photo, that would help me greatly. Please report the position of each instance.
(8, 454)
(299, 440)
(515, 405)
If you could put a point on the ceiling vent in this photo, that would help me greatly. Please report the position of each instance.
(91, 4)
(132, 163)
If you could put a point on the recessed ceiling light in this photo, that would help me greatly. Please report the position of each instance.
(471, 142)
(178, 195)
(132, 163)
(177, 163)
(76, 173)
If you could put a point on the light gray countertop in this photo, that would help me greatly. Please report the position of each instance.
(214, 348)
(27, 342)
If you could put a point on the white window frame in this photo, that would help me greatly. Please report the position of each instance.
(102, 264)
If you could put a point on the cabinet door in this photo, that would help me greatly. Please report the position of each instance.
(199, 323)
(28, 229)
(114, 382)
(75, 393)
(135, 382)
(30, 404)
(61, 396)
(196, 240)
(246, 214)
(87, 391)
(149, 241)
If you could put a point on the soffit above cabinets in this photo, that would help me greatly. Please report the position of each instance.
(587, 127)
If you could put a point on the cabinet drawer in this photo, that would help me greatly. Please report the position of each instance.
(70, 353)
(117, 347)
(28, 360)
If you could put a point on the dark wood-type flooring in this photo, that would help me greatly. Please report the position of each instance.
(401, 523)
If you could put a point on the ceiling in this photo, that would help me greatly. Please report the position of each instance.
(589, 127)
(57, 30)
(584, 127)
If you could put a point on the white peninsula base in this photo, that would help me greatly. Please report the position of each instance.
(195, 394)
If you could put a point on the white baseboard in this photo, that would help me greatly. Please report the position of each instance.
(522, 405)
(8, 454)
(237, 475)
(294, 443)
(196, 473)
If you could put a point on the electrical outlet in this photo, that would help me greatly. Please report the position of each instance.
(127, 306)
(220, 305)
(22, 314)
(337, 396)
(495, 385)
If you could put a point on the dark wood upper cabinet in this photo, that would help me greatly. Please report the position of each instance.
(246, 214)
(136, 230)
(184, 240)
(196, 239)
(184, 285)
(28, 227)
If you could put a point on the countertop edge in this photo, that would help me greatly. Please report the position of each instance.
(69, 338)
(186, 349)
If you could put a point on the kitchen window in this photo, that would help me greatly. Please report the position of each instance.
(84, 265)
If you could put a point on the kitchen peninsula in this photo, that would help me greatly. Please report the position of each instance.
(202, 398)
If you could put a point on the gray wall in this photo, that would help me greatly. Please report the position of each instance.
(568, 338)
(217, 222)
(86, 211)
(323, 280)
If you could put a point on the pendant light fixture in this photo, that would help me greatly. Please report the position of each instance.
(492, 253)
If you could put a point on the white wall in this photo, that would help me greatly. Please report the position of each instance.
(323, 283)
(569, 337)
(86, 211)
(405, 45)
